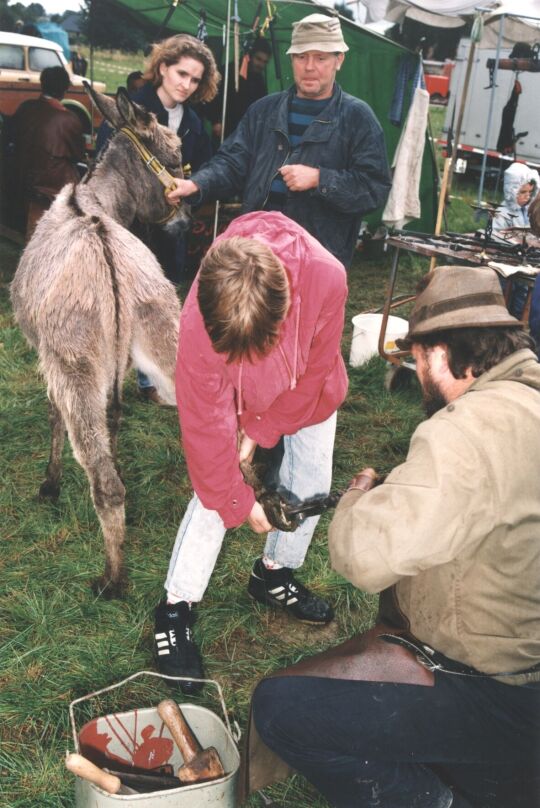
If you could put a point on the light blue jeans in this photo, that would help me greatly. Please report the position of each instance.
(305, 471)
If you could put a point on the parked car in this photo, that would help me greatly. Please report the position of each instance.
(22, 58)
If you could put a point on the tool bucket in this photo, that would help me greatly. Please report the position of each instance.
(139, 738)
(365, 339)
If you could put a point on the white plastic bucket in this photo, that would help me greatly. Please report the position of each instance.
(365, 338)
(126, 734)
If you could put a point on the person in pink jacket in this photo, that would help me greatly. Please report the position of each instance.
(259, 363)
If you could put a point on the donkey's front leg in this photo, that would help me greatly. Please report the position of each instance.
(50, 487)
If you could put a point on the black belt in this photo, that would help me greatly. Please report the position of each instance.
(435, 661)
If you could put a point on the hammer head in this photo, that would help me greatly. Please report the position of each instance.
(206, 765)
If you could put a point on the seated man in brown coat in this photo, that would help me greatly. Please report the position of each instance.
(48, 142)
(451, 540)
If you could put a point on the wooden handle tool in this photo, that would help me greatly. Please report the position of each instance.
(79, 765)
(199, 764)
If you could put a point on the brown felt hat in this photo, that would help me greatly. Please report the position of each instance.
(317, 32)
(457, 297)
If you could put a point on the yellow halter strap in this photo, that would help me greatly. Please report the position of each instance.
(151, 162)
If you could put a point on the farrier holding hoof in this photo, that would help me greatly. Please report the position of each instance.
(259, 357)
(312, 152)
(451, 540)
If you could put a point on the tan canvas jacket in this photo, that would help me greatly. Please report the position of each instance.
(456, 528)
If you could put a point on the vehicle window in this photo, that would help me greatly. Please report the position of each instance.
(39, 58)
(11, 57)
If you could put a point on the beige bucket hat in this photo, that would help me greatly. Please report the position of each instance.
(319, 33)
(457, 297)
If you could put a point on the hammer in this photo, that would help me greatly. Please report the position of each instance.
(199, 764)
(79, 765)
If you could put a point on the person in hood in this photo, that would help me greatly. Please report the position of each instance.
(451, 541)
(259, 363)
(520, 186)
(312, 152)
(520, 189)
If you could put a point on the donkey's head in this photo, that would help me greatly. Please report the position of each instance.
(155, 141)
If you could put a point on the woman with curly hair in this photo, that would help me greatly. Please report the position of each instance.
(181, 70)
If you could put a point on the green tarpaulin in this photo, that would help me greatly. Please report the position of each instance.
(370, 70)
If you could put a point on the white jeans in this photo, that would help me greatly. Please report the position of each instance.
(305, 471)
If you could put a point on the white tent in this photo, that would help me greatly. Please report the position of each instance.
(521, 17)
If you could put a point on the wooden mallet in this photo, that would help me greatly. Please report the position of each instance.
(200, 765)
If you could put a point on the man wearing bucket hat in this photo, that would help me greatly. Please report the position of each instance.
(312, 152)
(451, 541)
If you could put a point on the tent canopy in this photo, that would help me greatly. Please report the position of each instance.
(522, 23)
(369, 72)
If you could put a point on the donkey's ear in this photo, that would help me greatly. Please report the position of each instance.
(132, 114)
(106, 106)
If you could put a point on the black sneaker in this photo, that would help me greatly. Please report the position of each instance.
(175, 650)
(280, 588)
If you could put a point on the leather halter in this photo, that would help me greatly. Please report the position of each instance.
(159, 170)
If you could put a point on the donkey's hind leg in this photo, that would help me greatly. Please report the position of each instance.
(50, 487)
(114, 415)
(84, 408)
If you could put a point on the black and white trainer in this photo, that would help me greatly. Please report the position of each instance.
(175, 650)
(280, 588)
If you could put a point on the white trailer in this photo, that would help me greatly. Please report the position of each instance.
(474, 133)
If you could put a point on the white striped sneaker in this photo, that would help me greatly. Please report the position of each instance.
(280, 588)
(174, 647)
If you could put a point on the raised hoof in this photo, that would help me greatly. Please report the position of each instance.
(108, 589)
(49, 490)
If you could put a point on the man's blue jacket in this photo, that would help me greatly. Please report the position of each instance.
(346, 143)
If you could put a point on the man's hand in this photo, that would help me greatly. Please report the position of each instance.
(364, 481)
(216, 130)
(246, 447)
(257, 519)
(299, 177)
(183, 188)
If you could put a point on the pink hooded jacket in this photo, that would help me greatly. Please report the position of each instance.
(301, 382)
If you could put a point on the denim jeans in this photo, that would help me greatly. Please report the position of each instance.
(305, 471)
(143, 382)
(463, 742)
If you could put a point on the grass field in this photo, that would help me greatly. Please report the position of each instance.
(59, 642)
(113, 67)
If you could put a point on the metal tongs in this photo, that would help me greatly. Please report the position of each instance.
(314, 506)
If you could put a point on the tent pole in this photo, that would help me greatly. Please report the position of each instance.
(92, 16)
(490, 113)
(225, 93)
(457, 133)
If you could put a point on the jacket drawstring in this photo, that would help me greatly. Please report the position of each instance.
(292, 373)
(296, 337)
(240, 409)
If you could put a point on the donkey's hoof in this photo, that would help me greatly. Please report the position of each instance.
(49, 490)
(107, 588)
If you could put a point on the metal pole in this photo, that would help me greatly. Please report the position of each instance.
(457, 133)
(225, 93)
(490, 113)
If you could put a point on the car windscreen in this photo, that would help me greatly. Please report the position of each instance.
(39, 58)
(11, 57)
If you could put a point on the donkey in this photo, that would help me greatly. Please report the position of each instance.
(91, 298)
